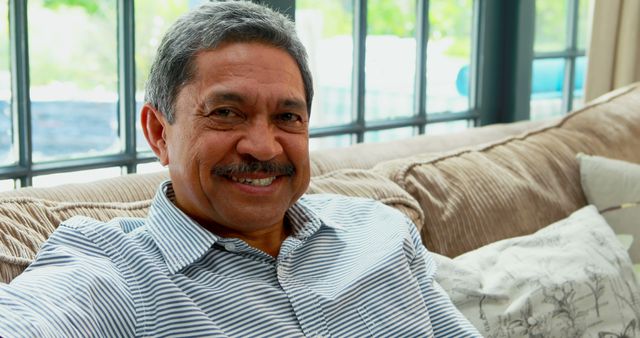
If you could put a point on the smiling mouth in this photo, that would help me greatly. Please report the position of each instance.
(256, 182)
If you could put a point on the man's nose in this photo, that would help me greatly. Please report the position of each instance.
(260, 141)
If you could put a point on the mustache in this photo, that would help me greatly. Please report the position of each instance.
(266, 167)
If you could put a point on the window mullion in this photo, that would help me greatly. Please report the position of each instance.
(126, 81)
(570, 63)
(359, 58)
(522, 73)
(21, 104)
(474, 74)
(422, 39)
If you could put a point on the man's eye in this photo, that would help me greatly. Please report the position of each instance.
(223, 112)
(289, 117)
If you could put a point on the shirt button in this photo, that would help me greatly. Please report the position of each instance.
(230, 247)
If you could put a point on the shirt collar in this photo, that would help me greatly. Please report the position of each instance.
(182, 241)
(306, 219)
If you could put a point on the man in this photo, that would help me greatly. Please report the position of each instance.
(231, 247)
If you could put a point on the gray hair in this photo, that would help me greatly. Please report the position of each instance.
(207, 27)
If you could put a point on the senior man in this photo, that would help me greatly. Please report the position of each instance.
(231, 247)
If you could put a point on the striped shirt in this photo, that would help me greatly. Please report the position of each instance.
(350, 268)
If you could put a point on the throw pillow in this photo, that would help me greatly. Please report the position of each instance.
(570, 279)
(613, 186)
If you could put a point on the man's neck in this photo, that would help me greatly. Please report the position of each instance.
(267, 240)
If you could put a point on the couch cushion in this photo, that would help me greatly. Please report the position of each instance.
(367, 155)
(364, 183)
(128, 188)
(613, 186)
(514, 187)
(25, 223)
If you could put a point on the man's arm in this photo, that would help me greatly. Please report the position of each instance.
(72, 290)
(446, 320)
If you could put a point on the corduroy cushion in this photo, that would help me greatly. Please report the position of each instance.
(26, 222)
(364, 183)
(367, 155)
(471, 198)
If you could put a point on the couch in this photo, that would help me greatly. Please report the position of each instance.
(471, 194)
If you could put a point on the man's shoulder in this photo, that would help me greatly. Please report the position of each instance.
(84, 223)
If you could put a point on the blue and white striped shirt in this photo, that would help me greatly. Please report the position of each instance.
(351, 268)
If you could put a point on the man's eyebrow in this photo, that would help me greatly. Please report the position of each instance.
(293, 104)
(224, 97)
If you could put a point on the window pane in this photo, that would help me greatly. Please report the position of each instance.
(449, 54)
(7, 185)
(6, 130)
(389, 134)
(153, 18)
(578, 82)
(328, 142)
(551, 25)
(150, 167)
(583, 24)
(83, 176)
(74, 85)
(325, 28)
(447, 127)
(547, 84)
(390, 59)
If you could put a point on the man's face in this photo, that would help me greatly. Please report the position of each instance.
(245, 105)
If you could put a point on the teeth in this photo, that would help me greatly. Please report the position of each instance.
(258, 182)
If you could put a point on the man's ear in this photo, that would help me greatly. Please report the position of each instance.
(154, 127)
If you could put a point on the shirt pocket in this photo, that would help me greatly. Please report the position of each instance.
(386, 322)
(368, 320)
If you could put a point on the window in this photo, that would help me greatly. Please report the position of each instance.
(152, 19)
(74, 86)
(559, 61)
(383, 70)
(7, 155)
(373, 79)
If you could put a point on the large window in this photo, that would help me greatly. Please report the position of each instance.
(6, 132)
(72, 74)
(386, 70)
(559, 62)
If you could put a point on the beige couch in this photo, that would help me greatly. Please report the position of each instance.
(462, 190)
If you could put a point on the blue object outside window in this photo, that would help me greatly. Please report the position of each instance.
(547, 78)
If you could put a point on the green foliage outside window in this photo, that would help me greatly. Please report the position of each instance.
(4, 41)
(550, 26)
(86, 54)
(392, 18)
(449, 19)
(92, 7)
(97, 31)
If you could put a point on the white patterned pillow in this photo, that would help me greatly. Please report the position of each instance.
(570, 279)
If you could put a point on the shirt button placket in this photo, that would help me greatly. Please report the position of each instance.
(304, 303)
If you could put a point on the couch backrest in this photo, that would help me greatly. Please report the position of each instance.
(368, 155)
(473, 197)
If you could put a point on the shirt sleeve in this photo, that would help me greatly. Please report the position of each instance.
(446, 319)
(72, 289)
